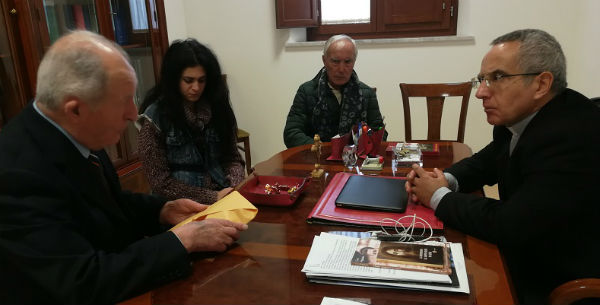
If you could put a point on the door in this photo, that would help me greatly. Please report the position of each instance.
(17, 76)
(132, 28)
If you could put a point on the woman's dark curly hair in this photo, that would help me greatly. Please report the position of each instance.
(184, 54)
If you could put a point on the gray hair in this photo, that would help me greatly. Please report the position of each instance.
(336, 38)
(539, 52)
(74, 67)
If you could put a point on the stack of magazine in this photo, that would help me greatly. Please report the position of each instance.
(346, 260)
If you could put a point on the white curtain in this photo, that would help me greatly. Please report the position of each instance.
(345, 11)
(139, 21)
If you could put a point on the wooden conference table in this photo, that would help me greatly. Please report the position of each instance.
(264, 266)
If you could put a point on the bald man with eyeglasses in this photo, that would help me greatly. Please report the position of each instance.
(544, 156)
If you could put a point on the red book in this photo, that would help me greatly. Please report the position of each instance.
(326, 212)
(78, 16)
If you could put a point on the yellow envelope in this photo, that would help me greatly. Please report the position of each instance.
(232, 207)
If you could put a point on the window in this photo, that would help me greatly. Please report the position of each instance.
(345, 11)
(364, 19)
(138, 15)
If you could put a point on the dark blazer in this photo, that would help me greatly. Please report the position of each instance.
(546, 221)
(65, 238)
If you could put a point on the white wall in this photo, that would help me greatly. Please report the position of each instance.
(263, 75)
(176, 26)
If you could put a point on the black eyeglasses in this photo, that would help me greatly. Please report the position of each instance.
(490, 79)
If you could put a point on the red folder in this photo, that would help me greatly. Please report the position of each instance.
(326, 212)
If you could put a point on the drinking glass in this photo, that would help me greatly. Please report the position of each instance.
(349, 156)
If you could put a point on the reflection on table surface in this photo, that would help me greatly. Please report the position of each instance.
(264, 265)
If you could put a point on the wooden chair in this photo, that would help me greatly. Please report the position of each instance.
(575, 290)
(435, 95)
(244, 137)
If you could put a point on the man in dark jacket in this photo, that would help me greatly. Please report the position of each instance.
(68, 234)
(544, 156)
(333, 101)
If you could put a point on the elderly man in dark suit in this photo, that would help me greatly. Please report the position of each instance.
(68, 234)
(544, 157)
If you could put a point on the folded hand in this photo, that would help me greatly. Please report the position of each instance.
(421, 184)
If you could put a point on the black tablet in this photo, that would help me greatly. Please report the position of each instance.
(373, 193)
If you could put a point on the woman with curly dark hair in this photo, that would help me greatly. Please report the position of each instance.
(187, 139)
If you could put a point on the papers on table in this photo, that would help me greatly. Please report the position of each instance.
(232, 207)
(329, 261)
(336, 301)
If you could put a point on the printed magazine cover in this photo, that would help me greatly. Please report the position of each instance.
(426, 257)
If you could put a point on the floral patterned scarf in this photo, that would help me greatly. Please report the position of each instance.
(351, 110)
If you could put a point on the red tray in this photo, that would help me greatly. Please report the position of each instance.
(254, 190)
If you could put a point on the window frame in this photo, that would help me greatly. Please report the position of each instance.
(427, 23)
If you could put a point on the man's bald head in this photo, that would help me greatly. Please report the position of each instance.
(75, 66)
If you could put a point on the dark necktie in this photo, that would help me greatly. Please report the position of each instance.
(95, 160)
(97, 165)
(104, 191)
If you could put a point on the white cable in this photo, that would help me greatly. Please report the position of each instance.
(405, 234)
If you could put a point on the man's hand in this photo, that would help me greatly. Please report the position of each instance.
(176, 211)
(421, 184)
(410, 178)
(209, 234)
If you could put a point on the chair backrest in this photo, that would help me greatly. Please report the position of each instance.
(576, 290)
(435, 95)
